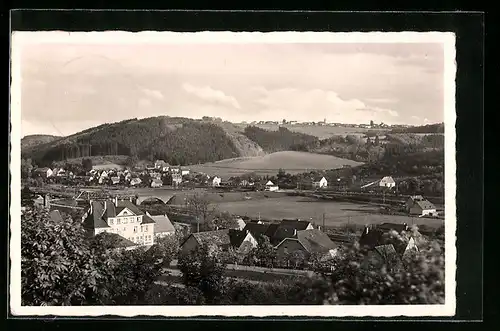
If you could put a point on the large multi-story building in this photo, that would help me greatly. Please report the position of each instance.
(122, 218)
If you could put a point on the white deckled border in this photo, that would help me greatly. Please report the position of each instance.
(118, 37)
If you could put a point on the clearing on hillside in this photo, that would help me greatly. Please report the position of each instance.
(292, 162)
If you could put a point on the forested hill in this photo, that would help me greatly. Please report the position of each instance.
(34, 140)
(178, 141)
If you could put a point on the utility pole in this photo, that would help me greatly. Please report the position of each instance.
(323, 221)
(198, 223)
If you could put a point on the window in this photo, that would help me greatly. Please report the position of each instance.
(124, 229)
(135, 229)
(111, 221)
(125, 220)
(145, 228)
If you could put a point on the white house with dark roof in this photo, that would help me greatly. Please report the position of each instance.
(271, 187)
(320, 182)
(423, 208)
(122, 218)
(387, 181)
(240, 241)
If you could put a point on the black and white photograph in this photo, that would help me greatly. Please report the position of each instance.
(189, 174)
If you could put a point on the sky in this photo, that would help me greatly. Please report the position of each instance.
(71, 86)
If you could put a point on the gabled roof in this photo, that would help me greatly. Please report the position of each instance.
(236, 237)
(256, 229)
(387, 179)
(317, 178)
(99, 214)
(376, 237)
(315, 241)
(162, 223)
(269, 183)
(425, 204)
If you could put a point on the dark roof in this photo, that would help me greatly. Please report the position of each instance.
(425, 204)
(341, 237)
(236, 237)
(99, 214)
(163, 224)
(287, 229)
(256, 229)
(317, 178)
(315, 241)
(95, 220)
(376, 237)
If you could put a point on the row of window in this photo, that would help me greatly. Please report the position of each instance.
(124, 220)
(147, 237)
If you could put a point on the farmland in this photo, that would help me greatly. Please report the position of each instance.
(336, 213)
(321, 132)
(291, 161)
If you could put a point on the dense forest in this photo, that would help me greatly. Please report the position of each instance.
(429, 128)
(281, 140)
(176, 140)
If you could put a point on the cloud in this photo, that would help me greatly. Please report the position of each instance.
(152, 93)
(209, 94)
(382, 100)
(318, 104)
(143, 102)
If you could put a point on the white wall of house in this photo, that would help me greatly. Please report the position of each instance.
(216, 181)
(249, 238)
(321, 183)
(273, 188)
(129, 226)
(417, 210)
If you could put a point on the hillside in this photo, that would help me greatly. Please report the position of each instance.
(34, 140)
(176, 140)
(243, 144)
(280, 140)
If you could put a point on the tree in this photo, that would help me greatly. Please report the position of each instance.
(223, 220)
(27, 197)
(87, 164)
(377, 141)
(60, 265)
(264, 253)
(26, 168)
(203, 269)
(166, 247)
(199, 205)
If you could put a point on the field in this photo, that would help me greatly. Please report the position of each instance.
(291, 162)
(336, 213)
(321, 132)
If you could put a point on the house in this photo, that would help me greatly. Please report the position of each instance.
(135, 181)
(175, 170)
(306, 243)
(240, 241)
(320, 182)
(286, 229)
(271, 187)
(43, 172)
(176, 179)
(411, 201)
(387, 181)
(423, 208)
(245, 182)
(184, 172)
(115, 180)
(160, 164)
(216, 181)
(381, 235)
(122, 218)
(156, 183)
(163, 226)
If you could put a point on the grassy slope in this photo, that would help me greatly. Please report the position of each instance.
(291, 162)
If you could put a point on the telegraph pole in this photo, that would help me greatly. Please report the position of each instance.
(323, 221)
(198, 224)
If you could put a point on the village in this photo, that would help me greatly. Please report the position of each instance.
(104, 201)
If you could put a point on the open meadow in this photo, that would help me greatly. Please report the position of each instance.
(291, 161)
